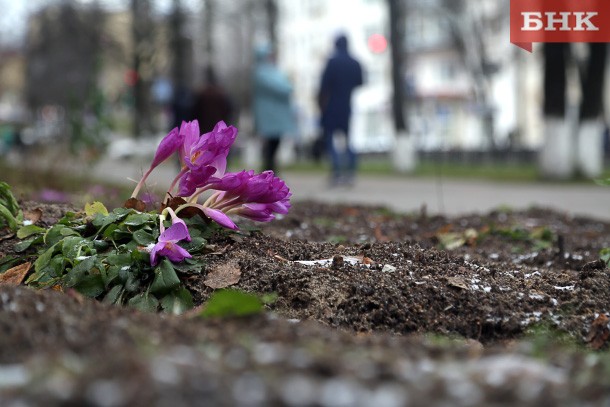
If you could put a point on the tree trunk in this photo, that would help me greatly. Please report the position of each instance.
(573, 143)
(404, 156)
(179, 46)
(590, 143)
(142, 59)
(556, 155)
(271, 11)
(397, 21)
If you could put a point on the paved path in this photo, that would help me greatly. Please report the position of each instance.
(405, 194)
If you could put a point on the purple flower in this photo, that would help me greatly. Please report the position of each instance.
(168, 244)
(211, 149)
(194, 179)
(254, 196)
(248, 187)
(190, 134)
(204, 156)
(168, 146)
(175, 220)
(220, 217)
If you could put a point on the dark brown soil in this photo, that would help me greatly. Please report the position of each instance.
(390, 319)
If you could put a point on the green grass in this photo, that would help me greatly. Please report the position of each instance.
(501, 172)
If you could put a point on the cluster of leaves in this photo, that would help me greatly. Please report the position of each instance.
(104, 256)
(540, 238)
(10, 214)
(234, 303)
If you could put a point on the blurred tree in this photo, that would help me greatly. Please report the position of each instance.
(179, 46)
(181, 52)
(404, 157)
(208, 30)
(271, 12)
(573, 142)
(143, 52)
(63, 51)
(471, 29)
(64, 57)
(397, 34)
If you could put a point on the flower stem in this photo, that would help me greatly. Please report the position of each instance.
(136, 190)
(183, 171)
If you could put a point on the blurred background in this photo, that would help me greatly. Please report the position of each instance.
(83, 81)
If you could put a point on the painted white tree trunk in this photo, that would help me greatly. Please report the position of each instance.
(590, 148)
(404, 154)
(556, 157)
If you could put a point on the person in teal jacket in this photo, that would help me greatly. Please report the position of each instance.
(274, 116)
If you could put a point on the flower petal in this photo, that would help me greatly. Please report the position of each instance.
(175, 233)
(220, 217)
(154, 253)
(175, 253)
(168, 146)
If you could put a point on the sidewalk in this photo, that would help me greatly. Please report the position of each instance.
(406, 194)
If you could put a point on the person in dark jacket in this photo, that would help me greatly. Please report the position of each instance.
(340, 77)
(212, 103)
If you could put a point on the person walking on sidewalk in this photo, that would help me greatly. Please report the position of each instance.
(340, 77)
(274, 116)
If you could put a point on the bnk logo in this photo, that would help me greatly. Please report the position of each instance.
(559, 21)
(553, 21)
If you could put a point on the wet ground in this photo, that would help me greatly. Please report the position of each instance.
(373, 308)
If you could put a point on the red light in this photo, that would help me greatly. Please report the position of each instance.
(377, 43)
(130, 78)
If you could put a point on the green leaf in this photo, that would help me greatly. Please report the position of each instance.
(143, 238)
(269, 298)
(604, 254)
(80, 272)
(140, 256)
(8, 262)
(101, 221)
(90, 285)
(110, 273)
(138, 219)
(114, 295)
(73, 246)
(119, 259)
(229, 303)
(451, 240)
(67, 219)
(121, 235)
(195, 245)
(177, 301)
(23, 246)
(144, 302)
(7, 199)
(132, 282)
(68, 231)
(5, 213)
(54, 234)
(189, 266)
(109, 231)
(165, 278)
(92, 209)
(43, 260)
(56, 266)
(29, 230)
(100, 245)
